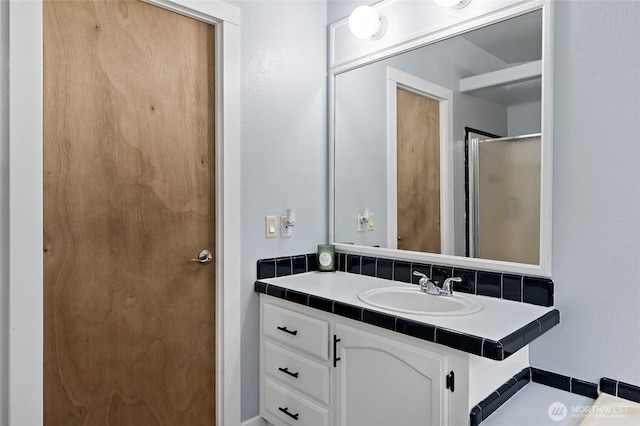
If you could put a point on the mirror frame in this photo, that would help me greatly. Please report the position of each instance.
(347, 53)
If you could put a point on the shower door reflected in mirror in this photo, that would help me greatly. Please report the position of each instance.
(504, 198)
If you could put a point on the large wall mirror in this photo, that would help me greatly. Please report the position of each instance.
(442, 143)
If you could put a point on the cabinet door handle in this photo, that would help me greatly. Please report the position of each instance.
(286, 371)
(335, 350)
(288, 413)
(451, 381)
(286, 330)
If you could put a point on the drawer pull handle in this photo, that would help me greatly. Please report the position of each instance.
(286, 411)
(286, 330)
(335, 351)
(286, 371)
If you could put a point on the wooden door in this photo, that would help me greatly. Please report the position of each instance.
(418, 150)
(129, 200)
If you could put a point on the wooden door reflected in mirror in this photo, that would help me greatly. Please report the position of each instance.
(418, 169)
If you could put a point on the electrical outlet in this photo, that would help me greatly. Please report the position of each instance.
(270, 227)
(370, 224)
(285, 231)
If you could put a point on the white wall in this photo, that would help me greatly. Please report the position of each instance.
(284, 146)
(596, 211)
(525, 108)
(4, 208)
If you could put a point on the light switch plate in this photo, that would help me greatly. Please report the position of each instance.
(371, 224)
(270, 226)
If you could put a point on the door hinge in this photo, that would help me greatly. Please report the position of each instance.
(451, 381)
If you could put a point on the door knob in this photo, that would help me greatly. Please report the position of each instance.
(204, 256)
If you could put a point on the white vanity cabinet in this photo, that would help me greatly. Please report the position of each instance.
(382, 382)
(318, 368)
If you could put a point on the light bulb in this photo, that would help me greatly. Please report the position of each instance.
(364, 22)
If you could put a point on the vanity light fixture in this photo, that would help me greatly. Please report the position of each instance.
(365, 22)
(454, 4)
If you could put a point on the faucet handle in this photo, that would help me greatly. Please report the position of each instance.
(426, 285)
(447, 286)
(423, 278)
(421, 275)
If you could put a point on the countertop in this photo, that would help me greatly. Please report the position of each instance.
(507, 324)
(531, 406)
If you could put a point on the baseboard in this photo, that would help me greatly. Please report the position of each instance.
(256, 421)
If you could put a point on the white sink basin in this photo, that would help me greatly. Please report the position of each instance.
(414, 301)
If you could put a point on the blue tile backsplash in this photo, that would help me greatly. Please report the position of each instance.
(620, 389)
(538, 291)
(519, 288)
(489, 284)
(512, 287)
(286, 265)
(554, 380)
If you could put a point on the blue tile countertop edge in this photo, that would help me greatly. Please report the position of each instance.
(490, 404)
(487, 348)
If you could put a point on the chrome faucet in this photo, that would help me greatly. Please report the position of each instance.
(431, 287)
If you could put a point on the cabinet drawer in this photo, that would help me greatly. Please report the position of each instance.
(292, 409)
(299, 331)
(297, 372)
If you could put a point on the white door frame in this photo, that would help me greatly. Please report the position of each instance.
(400, 79)
(25, 402)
